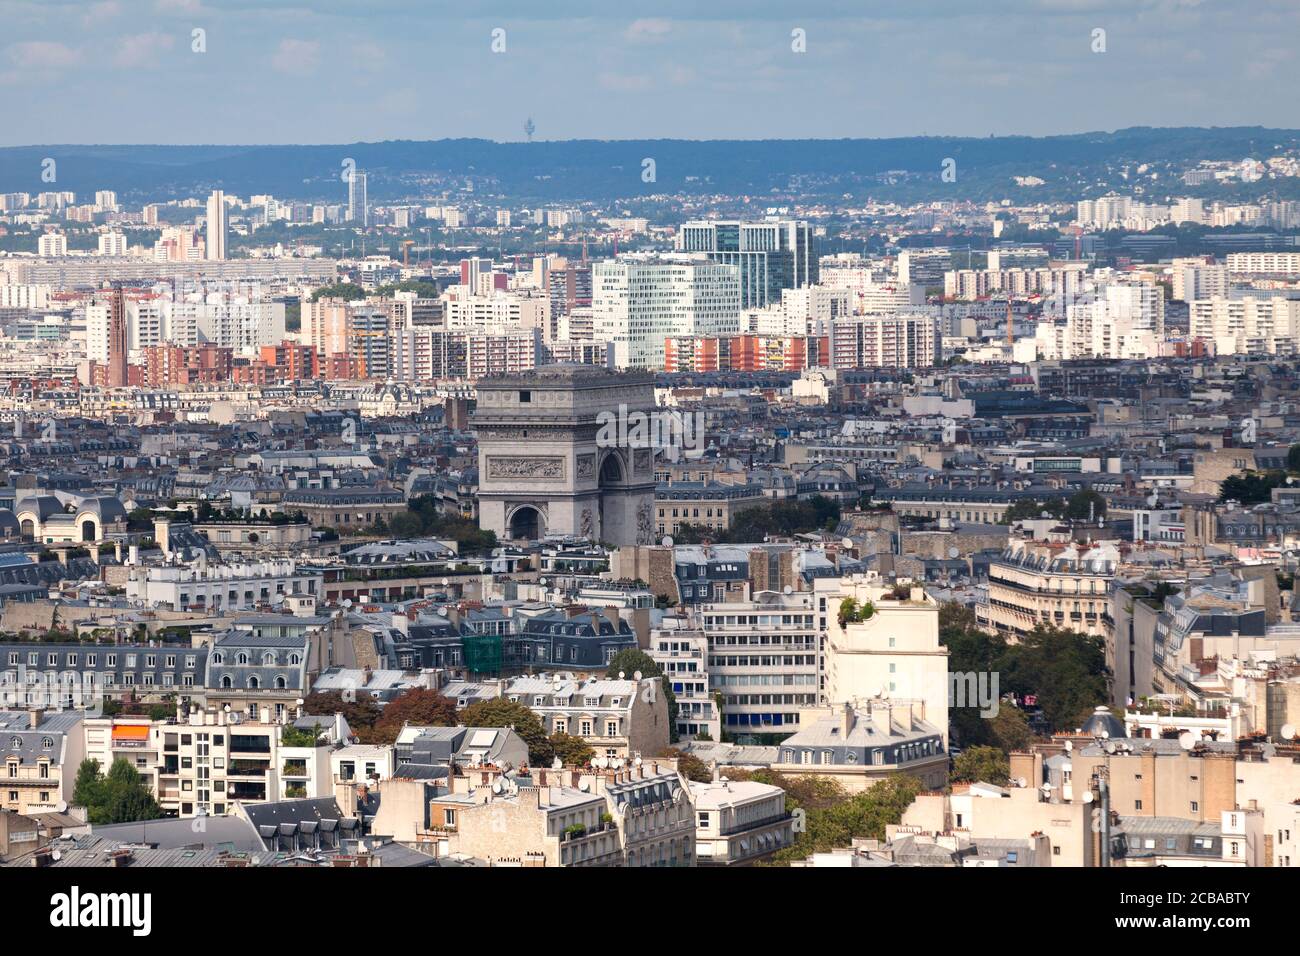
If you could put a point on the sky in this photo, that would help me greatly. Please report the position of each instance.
(342, 71)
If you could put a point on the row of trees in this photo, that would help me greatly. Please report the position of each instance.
(1065, 669)
(423, 519)
(427, 708)
(780, 517)
(827, 816)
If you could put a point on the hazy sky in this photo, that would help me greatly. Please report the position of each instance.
(335, 71)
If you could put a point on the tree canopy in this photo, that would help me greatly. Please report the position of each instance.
(122, 796)
(782, 517)
(1065, 669)
(982, 764)
(828, 817)
(1251, 487)
(418, 706)
(503, 712)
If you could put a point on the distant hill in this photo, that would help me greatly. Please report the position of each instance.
(1074, 165)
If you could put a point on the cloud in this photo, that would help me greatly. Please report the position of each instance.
(648, 30)
(142, 49)
(41, 55)
(296, 57)
(624, 82)
(99, 12)
(177, 6)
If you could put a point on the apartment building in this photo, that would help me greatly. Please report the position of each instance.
(640, 815)
(216, 587)
(764, 660)
(1066, 585)
(207, 760)
(739, 822)
(858, 744)
(882, 644)
(637, 303)
(683, 653)
(617, 718)
(702, 504)
(40, 752)
(886, 341)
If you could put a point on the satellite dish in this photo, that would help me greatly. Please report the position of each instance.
(496, 786)
(636, 762)
(1288, 731)
(621, 675)
(584, 786)
(846, 542)
(667, 541)
(1087, 797)
(788, 589)
(557, 763)
(61, 806)
(953, 552)
(1105, 735)
(1069, 746)
(347, 602)
(1187, 740)
(1021, 782)
(542, 581)
(636, 675)
(56, 856)
(1110, 747)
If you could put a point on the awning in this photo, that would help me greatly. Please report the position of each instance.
(130, 732)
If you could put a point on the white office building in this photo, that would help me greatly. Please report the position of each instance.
(638, 302)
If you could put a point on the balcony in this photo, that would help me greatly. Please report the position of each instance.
(294, 768)
(247, 768)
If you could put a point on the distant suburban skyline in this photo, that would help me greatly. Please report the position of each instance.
(336, 71)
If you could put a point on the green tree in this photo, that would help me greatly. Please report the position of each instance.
(831, 817)
(360, 709)
(347, 291)
(1084, 504)
(292, 736)
(573, 751)
(88, 791)
(1009, 729)
(1065, 669)
(502, 712)
(984, 764)
(1252, 487)
(120, 797)
(1293, 458)
(419, 707)
(690, 766)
